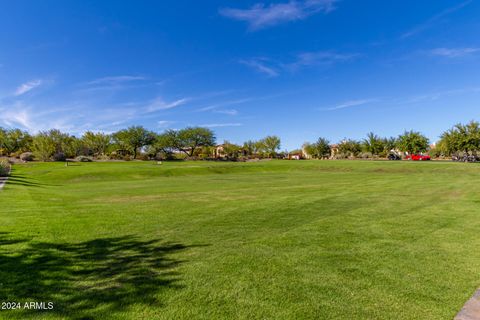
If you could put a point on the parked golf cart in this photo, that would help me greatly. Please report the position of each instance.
(394, 156)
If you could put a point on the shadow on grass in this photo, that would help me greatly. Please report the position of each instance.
(22, 182)
(18, 179)
(87, 280)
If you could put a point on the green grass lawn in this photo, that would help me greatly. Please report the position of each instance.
(265, 240)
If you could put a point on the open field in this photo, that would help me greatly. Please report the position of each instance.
(266, 240)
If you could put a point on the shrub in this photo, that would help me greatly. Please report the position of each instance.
(59, 156)
(103, 157)
(83, 159)
(143, 157)
(4, 167)
(27, 156)
(366, 155)
(115, 156)
(164, 156)
(340, 156)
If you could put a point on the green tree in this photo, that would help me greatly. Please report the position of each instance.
(260, 148)
(270, 145)
(14, 141)
(53, 143)
(43, 146)
(59, 139)
(250, 147)
(350, 147)
(188, 140)
(319, 149)
(72, 147)
(374, 144)
(3, 139)
(412, 142)
(231, 150)
(97, 142)
(390, 144)
(163, 144)
(461, 139)
(134, 138)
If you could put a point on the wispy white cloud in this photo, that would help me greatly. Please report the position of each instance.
(88, 115)
(165, 123)
(320, 58)
(433, 20)
(260, 65)
(28, 86)
(454, 52)
(350, 103)
(261, 15)
(220, 125)
(160, 104)
(437, 95)
(115, 79)
(33, 120)
(16, 118)
(215, 107)
(113, 83)
(230, 112)
(273, 68)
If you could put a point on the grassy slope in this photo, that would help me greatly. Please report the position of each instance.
(269, 240)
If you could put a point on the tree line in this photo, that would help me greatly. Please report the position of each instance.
(136, 142)
(373, 146)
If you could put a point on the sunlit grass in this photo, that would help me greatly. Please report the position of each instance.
(265, 240)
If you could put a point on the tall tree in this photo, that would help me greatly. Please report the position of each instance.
(250, 147)
(350, 147)
(231, 150)
(134, 139)
(260, 148)
(188, 140)
(72, 147)
(271, 145)
(319, 149)
(390, 144)
(412, 142)
(97, 142)
(374, 144)
(3, 140)
(43, 146)
(461, 139)
(14, 140)
(163, 143)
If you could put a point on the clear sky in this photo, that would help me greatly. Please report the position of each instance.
(298, 69)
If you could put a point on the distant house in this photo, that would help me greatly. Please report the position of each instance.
(219, 151)
(295, 155)
(305, 154)
(334, 150)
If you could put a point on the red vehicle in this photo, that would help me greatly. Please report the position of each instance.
(417, 157)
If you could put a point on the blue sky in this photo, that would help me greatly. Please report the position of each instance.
(298, 69)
